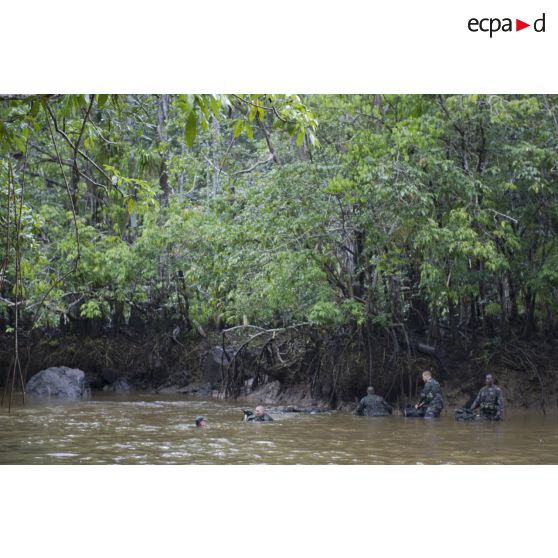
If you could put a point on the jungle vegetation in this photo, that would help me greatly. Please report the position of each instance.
(349, 227)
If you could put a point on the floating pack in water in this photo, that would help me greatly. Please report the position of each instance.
(464, 415)
(311, 410)
(248, 415)
(410, 411)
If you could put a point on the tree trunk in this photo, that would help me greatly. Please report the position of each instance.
(162, 115)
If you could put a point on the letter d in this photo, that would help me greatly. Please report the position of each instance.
(542, 22)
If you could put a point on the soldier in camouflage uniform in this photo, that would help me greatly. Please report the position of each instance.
(259, 416)
(372, 405)
(489, 400)
(431, 400)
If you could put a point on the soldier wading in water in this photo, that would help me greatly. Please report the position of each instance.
(489, 400)
(372, 405)
(259, 416)
(431, 402)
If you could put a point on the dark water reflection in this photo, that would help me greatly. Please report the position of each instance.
(159, 429)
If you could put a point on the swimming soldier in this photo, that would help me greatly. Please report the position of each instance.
(259, 415)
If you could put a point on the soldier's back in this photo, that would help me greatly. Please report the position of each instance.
(375, 406)
(433, 393)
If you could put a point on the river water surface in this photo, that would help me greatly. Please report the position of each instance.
(158, 429)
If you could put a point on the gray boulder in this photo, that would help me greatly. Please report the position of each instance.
(215, 362)
(60, 382)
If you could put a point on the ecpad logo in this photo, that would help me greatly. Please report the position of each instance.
(494, 24)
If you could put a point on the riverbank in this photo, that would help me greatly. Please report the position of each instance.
(293, 373)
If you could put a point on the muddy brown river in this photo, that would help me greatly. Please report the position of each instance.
(157, 429)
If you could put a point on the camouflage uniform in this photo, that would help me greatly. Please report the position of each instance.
(431, 398)
(373, 406)
(491, 403)
(264, 418)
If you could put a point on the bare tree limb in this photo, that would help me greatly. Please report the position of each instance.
(83, 154)
(254, 166)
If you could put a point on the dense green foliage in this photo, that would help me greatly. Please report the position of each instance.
(431, 214)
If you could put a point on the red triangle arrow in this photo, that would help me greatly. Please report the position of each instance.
(519, 25)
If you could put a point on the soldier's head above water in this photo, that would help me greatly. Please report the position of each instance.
(259, 415)
(370, 390)
(489, 380)
(426, 375)
(200, 422)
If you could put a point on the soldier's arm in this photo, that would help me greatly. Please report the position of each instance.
(359, 408)
(424, 395)
(431, 390)
(500, 403)
(475, 402)
(387, 405)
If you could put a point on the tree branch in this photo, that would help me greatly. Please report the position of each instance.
(76, 147)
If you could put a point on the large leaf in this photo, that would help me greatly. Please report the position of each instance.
(191, 128)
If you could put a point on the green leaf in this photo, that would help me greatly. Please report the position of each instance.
(191, 128)
(313, 139)
(215, 106)
(249, 131)
(102, 100)
(238, 127)
(131, 205)
(20, 143)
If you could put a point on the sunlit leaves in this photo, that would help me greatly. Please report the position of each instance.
(191, 128)
(442, 198)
